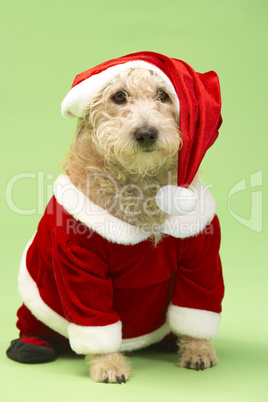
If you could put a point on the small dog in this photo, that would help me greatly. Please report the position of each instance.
(126, 148)
(131, 134)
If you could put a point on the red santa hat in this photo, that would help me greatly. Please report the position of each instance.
(198, 104)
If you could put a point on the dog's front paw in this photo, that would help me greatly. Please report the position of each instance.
(109, 368)
(196, 354)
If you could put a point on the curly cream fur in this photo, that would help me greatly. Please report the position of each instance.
(107, 164)
(196, 353)
(110, 367)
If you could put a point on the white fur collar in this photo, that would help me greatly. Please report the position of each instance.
(118, 231)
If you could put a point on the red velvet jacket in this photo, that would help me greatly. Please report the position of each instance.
(103, 284)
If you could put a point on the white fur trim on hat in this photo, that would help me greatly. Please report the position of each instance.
(193, 222)
(75, 102)
(175, 200)
(201, 324)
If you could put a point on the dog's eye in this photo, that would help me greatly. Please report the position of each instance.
(162, 96)
(120, 98)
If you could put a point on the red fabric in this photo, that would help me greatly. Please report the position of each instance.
(37, 341)
(200, 106)
(29, 325)
(199, 274)
(93, 282)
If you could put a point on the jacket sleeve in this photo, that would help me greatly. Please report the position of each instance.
(198, 287)
(86, 295)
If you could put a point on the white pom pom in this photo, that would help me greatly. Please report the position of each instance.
(175, 200)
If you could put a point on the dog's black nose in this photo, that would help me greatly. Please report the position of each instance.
(146, 136)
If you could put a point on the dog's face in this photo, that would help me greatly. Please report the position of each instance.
(133, 121)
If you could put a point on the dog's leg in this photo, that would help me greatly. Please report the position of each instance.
(196, 353)
(110, 367)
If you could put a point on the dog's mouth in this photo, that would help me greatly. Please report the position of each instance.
(145, 149)
(149, 149)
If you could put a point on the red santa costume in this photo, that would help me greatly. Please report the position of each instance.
(100, 282)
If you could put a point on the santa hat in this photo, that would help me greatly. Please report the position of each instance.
(198, 104)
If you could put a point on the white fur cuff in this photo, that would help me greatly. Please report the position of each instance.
(200, 324)
(97, 340)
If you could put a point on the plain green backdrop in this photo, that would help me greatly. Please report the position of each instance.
(43, 46)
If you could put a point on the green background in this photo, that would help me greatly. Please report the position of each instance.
(44, 45)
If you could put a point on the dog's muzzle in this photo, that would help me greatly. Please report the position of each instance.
(146, 137)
